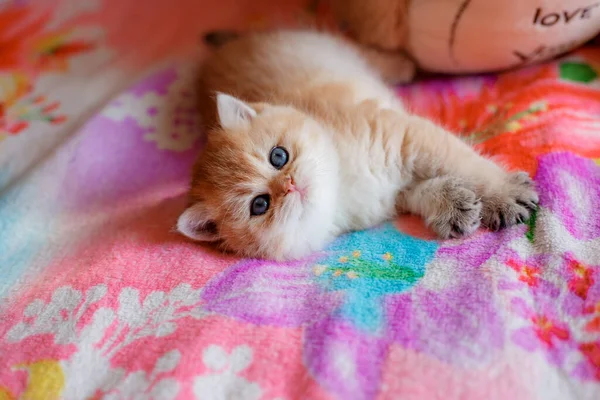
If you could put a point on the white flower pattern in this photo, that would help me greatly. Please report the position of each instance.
(224, 383)
(171, 121)
(106, 333)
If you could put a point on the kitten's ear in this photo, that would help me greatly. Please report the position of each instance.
(233, 113)
(196, 224)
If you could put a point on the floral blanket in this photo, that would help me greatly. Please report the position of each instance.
(100, 299)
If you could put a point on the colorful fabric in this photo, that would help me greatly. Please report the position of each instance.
(100, 299)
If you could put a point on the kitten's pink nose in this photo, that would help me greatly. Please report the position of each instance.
(289, 185)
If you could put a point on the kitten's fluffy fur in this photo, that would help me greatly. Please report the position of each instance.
(356, 156)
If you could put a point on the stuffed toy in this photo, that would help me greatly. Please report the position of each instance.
(470, 36)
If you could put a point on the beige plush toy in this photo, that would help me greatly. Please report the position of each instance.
(470, 36)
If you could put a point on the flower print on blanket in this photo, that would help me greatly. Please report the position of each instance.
(360, 296)
(338, 297)
(29, 52)
(571, 193)
(163, 107)
(223, 381)
(554, 307)
(73, 319)
(152, 132)
(559, 290)
(19, 108)
(412, 287)
(503, 115)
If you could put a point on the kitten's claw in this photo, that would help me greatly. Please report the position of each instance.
(512, 204)
(459, 215)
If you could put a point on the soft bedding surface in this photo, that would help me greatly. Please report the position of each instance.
(100, 299)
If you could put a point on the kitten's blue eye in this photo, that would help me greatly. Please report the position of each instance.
(279, 157)
(260, 204)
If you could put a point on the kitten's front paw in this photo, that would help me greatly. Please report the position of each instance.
(459, 214)
(511, 204)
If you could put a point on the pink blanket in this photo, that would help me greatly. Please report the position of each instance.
(100, 299)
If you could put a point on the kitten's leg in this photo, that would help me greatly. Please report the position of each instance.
(447, 204)
(429, 152)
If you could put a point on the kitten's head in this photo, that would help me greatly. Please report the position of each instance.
(265, 184)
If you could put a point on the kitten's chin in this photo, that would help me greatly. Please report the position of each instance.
(313, 232)
(298, 252)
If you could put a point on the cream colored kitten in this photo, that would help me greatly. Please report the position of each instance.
(308, 142)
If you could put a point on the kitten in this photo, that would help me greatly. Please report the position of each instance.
(307, 142)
